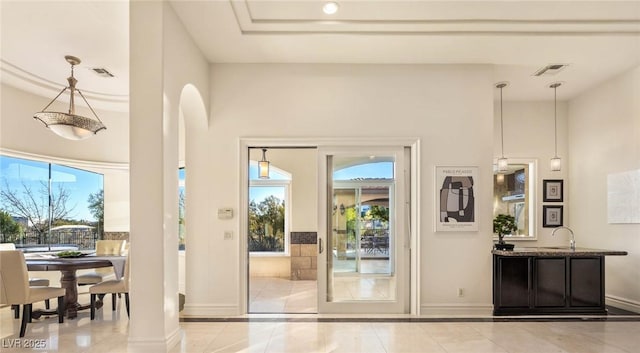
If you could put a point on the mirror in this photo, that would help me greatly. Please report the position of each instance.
(514, 194)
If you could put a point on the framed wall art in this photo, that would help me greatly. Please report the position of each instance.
(551, 216)
(455, 199)
(553, 190)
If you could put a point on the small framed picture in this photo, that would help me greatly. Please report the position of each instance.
(551, 216)
(552, 190)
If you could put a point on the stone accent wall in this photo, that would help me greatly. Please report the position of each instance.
(116, 236)
(304, 256)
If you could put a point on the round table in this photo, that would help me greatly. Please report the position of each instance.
(68, 281)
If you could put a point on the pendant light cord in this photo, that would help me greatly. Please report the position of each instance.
(555, 118)
(501, 126)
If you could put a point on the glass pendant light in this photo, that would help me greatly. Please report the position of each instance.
(263, 166)
(70, 125)
(503, 164)
(556, 162)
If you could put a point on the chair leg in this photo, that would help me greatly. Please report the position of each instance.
(61, 309)
(16, 308)
(26, 314)
(126, 300)
(93, 306)
(113, 301)
(47, 305)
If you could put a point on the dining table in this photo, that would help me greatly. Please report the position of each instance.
(68, 279)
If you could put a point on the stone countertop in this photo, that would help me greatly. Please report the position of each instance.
(556, 251)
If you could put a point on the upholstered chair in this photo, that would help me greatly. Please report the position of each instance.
(33, 282)
(15, 289)
(114, 287)
(103, 248)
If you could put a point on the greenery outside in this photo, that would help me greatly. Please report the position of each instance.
(266, 225)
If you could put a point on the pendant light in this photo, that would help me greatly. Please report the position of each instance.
(556, 162)
(263, 166)
(69, 125)
(503, 164)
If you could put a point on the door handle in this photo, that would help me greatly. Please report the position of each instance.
(320, 246)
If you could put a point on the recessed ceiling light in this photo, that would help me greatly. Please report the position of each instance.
(330, 7)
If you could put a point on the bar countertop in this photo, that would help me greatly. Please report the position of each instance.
(557, 251)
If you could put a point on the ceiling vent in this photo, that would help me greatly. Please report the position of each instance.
(550, 70)
(102, 72)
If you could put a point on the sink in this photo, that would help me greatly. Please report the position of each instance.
(556, 247)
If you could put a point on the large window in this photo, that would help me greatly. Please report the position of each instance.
(268, 213)
(44, 203)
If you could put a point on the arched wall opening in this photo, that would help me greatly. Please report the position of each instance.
(192, 114)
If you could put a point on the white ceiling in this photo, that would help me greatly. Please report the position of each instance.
(598, 39)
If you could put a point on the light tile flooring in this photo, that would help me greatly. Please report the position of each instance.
(280, 295)
(108, 334)
(325, 333)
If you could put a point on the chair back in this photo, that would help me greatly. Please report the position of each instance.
(110, 247)
(14, 278)
(127, 272)
(7, 246)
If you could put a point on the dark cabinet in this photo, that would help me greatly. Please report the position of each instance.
(548, 285)
(513, 282)
(587, 282)
(550, 282)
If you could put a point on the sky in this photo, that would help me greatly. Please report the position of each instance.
(79, 183)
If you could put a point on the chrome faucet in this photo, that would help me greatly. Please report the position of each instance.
(572, 243)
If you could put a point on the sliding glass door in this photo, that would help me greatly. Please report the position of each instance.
(363, 239)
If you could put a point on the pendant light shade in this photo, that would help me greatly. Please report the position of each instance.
(263, 166)
(556, 162)
(69, 125)
(503, 163)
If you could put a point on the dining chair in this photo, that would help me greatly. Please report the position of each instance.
(103, 248)
(33, 282)
(113, 287)
(15, 289)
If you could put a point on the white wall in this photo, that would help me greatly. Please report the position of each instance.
(116, 201)
(528, 133)
(604, 135)
(450, 108)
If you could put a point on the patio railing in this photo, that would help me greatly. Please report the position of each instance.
(82, 239)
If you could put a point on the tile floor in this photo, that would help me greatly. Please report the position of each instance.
(325, 333)
(280, 295)
(108, 334)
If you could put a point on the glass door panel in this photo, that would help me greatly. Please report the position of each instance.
(360, 271)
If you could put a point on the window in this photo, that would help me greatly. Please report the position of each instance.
(75, 215)
(268, 212)
(181, 209)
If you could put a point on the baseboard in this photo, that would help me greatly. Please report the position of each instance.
(622, 303)
(209, 310)
(154, 345)
(456, 310)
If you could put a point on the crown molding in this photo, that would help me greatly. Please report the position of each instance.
(408, 18)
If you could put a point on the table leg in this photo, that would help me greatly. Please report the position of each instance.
(69, 282)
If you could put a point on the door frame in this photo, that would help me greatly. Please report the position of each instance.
(413, 143)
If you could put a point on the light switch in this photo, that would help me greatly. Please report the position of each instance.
(225, 213)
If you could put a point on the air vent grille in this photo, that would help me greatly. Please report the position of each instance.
(550, 70)
(102, 72)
